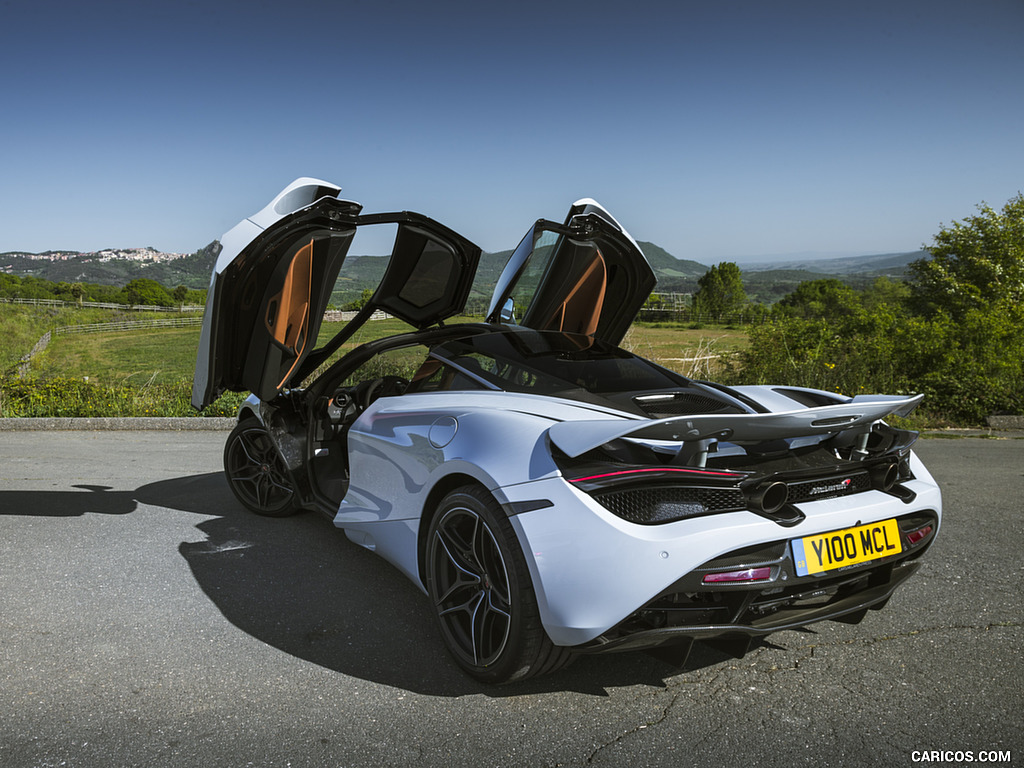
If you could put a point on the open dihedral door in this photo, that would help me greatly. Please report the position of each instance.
(587, 276)
(287, 315)
(269, 292)
(265, 304)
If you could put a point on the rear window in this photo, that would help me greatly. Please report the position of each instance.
(550, 363)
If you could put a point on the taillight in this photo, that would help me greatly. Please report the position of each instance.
(647, 474)
(919, 535)
(745, 576)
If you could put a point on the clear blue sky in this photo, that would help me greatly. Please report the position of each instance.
(722, 129)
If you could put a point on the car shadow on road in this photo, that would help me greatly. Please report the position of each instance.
(299, 585)
(87, 499)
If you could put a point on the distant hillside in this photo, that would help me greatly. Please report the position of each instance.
(667, 265)
(768, 286)
(115, 266)
(764, 282)
(891, 264)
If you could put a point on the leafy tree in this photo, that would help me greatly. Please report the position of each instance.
(35, 288)
(976, 263)
(361, 302)
(720, 290)
(886, 293)
(820, 298)
(10, 285)
(145, 291)
(180, 294)
(132, 296)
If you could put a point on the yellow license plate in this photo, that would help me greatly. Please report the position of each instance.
(850, 546)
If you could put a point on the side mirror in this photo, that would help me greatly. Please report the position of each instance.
(508, 312)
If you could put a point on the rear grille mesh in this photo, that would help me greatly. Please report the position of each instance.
(663, 503)
(660, 504)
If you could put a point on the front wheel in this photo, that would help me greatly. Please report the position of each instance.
(483, 597)
(257, 473)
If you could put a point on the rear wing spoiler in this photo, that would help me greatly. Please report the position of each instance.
(577, 437)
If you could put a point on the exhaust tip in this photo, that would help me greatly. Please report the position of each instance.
(884, 476)
(770, 498)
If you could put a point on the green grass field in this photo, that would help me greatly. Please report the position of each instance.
(166, 356)
(694, 352)
(137, 357)
(149, 372)
(22, 325)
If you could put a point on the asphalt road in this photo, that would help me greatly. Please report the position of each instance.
(147, 620)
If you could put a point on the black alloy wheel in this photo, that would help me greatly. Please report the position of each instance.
(482, 593)
(257, 473)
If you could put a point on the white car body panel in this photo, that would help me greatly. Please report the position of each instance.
(390, 483)
(299, 194)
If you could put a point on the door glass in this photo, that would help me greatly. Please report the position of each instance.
(433, 272)
(537, 264)
(364, 267)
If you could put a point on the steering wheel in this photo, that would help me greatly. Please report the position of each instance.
(368, 391)
(340, 406)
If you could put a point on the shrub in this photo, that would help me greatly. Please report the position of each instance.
(57, 397)
(967, 369)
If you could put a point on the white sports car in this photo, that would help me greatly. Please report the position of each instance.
(552, 493)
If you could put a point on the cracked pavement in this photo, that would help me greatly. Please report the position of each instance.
(146, 620)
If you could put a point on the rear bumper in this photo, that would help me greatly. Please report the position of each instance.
(601, 581)
(874, 597)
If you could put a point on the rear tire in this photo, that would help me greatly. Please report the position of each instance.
(256, 472)
(483, 597)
